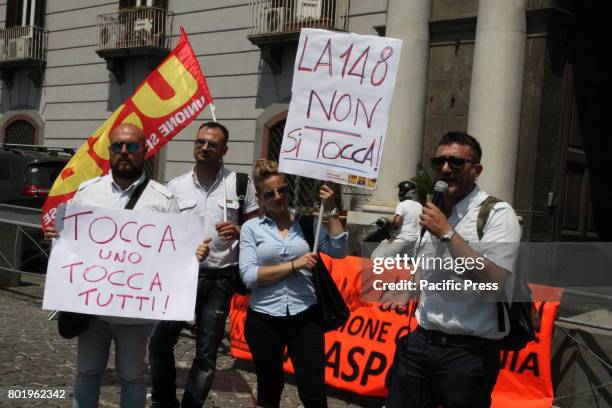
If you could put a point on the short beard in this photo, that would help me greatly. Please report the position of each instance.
(131, 174)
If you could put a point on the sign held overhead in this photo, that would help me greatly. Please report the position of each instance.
(342, 89)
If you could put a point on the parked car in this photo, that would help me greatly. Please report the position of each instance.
(27, 172)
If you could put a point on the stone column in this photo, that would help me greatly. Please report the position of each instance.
(408, 21)
(496, 91)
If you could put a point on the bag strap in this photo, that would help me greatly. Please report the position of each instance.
(242, 181)
(501, 322)
(307, 229)
(483, 214)
(137, 193)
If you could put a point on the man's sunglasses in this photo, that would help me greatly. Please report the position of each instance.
(211, 145)
(455, 163)
(268, 195)
(132, 147)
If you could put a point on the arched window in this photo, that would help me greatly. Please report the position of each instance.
(20, 132)
(275, 139)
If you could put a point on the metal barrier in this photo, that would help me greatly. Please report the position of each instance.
(19, 231)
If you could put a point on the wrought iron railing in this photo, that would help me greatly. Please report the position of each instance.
(22, 43)
(278, 16)
(136, 27)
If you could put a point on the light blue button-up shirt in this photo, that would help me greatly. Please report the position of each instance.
(262, 245)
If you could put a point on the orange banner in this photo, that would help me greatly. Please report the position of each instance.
(360, 353)
(169, 99)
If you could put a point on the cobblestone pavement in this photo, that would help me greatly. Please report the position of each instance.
(34, 357)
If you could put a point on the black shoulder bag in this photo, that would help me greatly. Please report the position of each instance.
(333, 309)
(70, 324)
(522, 315)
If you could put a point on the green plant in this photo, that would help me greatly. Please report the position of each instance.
(424, 182)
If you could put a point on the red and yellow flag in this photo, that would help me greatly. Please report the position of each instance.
(172, 96)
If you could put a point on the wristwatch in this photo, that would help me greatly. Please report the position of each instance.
(332, 213)
(446, 238)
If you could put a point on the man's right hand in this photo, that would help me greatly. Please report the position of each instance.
(50, 233)
(306, 261)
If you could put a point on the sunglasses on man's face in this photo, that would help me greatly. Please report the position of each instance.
(455, 163)
(211, 145)
(131, 147)
(268, 195)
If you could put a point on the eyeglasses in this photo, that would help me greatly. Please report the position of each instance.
(132, 147)
(455, 163)
(268, 195)
(211, 145)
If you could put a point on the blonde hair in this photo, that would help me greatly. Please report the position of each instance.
(264, 168)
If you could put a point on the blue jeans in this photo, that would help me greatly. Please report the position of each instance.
(92, 356)
(212, 306)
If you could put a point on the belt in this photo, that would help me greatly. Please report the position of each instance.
(459, 340)
(217, 272)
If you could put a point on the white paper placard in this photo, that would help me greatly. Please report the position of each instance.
(124, 263)
(342, 89)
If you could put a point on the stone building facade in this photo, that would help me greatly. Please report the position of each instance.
(528, 78)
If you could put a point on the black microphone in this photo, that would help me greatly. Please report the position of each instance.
(440, 189)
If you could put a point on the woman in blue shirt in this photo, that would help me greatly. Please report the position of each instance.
(276, 263)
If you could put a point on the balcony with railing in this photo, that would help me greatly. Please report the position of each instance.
(23, 43)
(273, 24)
(282, 20)
(135, 32)
(23, 48)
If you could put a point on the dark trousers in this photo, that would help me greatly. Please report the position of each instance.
(212, 305)
(302, 335)
(427, 373)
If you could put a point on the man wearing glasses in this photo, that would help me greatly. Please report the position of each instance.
(208, 190)
(452, 358)
(127, 151)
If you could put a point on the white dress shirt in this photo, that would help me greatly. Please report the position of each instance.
(410, 211)
(104, 192)
(463, 312)
(193, 198)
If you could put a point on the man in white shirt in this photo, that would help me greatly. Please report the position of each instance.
(207, 191)
(127, 152)
(407, 213)
(452, 358)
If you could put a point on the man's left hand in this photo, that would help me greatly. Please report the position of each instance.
(434, 220)
(228, 231)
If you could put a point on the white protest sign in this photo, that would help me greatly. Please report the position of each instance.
(342, 89)
(124, 263)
